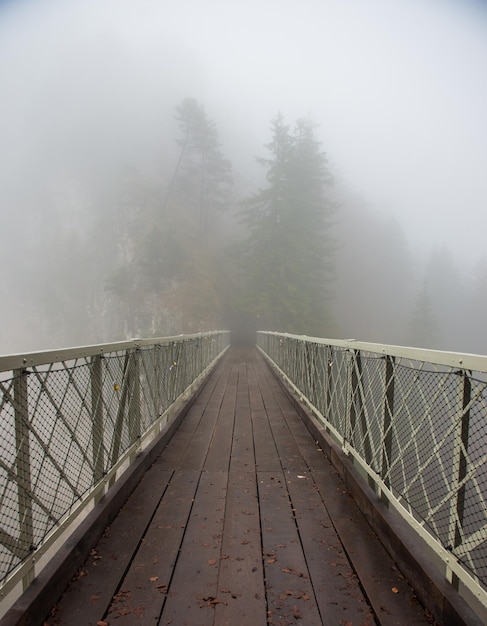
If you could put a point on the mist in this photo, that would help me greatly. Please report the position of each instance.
(397, 95)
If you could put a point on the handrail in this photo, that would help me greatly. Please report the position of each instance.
(71, 421)
(415, 422)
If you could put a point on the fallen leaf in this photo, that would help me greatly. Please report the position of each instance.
(153, 579)
(211, 561)
(102, 623)
(395, 590)
(296, 612)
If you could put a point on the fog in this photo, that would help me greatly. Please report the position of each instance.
(397, 91)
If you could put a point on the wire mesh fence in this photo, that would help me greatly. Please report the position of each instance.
(67, 419)
(417, 422)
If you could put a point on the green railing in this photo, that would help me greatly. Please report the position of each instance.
(71, 421)
(415, 422)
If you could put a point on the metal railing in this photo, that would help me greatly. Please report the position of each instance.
(415, 421)
(71, 421)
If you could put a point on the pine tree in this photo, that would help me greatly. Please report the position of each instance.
(170, 246)
(423, 327)
(202, 180)
(288, 250)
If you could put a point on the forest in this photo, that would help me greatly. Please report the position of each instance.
(188, 244)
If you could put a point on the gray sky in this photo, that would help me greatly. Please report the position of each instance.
(398, 87)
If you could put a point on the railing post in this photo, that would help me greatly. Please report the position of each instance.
(463, 460)
(329, 385)
(357, 412)
(460, 465)
(134, 406)
(97, 415)
(23, 469)
(157, 376)
(387, 420)
(350, 417)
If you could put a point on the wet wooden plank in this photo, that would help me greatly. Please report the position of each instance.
(210, 397)
(176, 448)
(336, 586)
(241, 578)
(289, 589)
(387, 591)
(88, 597)
(142, 591)
(241, 581)
(214, 387)
(288, 452)
(266, 456)
(243, 456)
(218, 458)
(193, 591)
(194, 456)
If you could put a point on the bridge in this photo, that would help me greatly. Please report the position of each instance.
(185, 480)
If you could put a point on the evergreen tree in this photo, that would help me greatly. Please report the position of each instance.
(168, 254)
(448, 295)
(423, 327)
(288, 250)
(475, 311)
(202, 180)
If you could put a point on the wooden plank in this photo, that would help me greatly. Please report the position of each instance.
(142, 591)
(266, 456)
(90, 593)
(242, 456)
(210, 397)
(241, 578)
(391, 597)
(290, 594)
(214, 380)
(214, 395)
(176, 448)
(195, 454)
(287, 449)
(193, 590)
(308, 447)
(255, 396)
(218, 457)
(337, 588)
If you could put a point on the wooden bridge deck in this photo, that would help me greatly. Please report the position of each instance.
(241, 520)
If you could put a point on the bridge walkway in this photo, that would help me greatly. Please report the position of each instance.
(241, 520)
